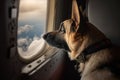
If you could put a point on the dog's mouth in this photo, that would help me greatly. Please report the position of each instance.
(56, 42)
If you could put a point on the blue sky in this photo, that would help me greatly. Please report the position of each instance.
(31, 23)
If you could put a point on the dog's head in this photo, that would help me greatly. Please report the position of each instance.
(70, 33)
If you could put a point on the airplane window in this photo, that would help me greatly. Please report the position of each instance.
(31, 24)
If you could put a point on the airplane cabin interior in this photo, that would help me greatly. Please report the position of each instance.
(24, 55)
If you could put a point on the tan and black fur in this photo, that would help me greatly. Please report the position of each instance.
(74, 36)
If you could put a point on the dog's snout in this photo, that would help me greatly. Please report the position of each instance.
(47, 35)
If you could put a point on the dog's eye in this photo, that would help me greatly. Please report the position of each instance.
(62, 29)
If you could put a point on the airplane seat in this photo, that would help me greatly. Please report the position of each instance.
(68, 72)
(105, 15)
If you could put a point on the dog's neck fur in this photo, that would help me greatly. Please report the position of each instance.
(91, 36)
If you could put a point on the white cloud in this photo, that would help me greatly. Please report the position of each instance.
(32, 5)
(34, 48)
(24, 43)
(32, 9)
(24, 28)
(36, 38)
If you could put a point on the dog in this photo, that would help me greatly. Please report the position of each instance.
(98, 58)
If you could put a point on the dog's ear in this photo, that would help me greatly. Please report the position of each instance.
(75, 14)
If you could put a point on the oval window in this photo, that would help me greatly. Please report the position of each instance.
(31, 24)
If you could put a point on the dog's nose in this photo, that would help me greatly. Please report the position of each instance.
(47, 35)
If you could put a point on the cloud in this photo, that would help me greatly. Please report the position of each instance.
(36, 38)
(32, 5)
(34, 48)
(24, 43)
(32, 9)
(25, 28)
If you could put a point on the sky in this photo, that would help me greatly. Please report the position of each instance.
(31, 24)
(32, 10)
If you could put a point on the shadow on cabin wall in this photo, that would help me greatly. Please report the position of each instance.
(105, 14)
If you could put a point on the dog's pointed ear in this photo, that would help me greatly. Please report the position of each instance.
(75, 13)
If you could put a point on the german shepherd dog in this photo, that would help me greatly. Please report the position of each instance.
(98, 58)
